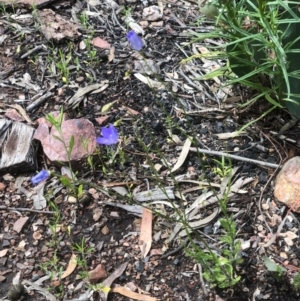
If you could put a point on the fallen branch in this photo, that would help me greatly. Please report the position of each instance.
(234, 157)
(25, 209)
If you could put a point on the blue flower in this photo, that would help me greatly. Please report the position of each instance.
(110, 136)
(41, 176)
(134, 40)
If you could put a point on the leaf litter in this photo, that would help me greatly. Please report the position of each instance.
(92, 89)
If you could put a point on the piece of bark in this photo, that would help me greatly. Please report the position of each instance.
(56, 28)
(17, 147)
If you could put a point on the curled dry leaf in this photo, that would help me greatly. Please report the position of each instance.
(183, 154)
(132, 295)
(71, 267)
(150, 82)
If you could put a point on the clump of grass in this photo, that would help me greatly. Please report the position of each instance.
(262, 47)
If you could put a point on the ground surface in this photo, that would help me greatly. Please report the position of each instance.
(149, 119)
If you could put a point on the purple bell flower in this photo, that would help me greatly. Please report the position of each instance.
(41, 176)
(134, 40)
(110, 136)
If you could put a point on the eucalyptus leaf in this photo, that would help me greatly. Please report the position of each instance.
(272, 266)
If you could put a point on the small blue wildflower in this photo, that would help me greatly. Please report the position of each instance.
(41, 176)
(134, 40)
(110, 135)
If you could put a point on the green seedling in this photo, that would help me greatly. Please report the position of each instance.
(69, 183)
(296, 282)
(83, 251)
(83, 19)
(62, 65)
(222, 169)
(99, 287)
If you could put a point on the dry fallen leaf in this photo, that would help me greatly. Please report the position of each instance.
(150, 82)
(183, 154)
(71, 267)
(128, 293)
(110, 279)
(111, 54)
(146, 232)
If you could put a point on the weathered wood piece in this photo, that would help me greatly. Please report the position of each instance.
(18, 149)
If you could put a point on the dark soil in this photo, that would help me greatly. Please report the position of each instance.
(160, 112)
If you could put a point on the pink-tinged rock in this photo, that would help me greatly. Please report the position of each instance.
(287, 185)
(100, 43)
(20, 223)
(14, 115)
(99, 273)
(81, 129)
(102, 119)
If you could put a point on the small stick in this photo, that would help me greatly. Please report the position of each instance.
(25, 209)
(234, 157)
(33, 50)
(205, 292)
(38, 102)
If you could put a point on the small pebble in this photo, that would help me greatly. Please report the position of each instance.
(72, 200)
(176, 261)
(288, 225)
(139, 266)
(260, 228)
(80, 79)
(35, 277)
(208, 230)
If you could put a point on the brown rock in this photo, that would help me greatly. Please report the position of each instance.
(20, 223)
(99, 273)
(287, 185)
(81, 130)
